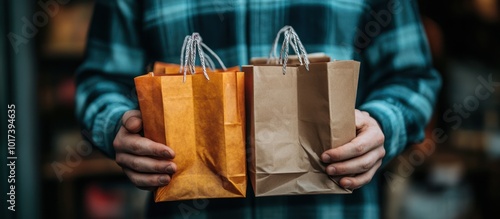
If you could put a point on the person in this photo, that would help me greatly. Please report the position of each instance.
(396, 92)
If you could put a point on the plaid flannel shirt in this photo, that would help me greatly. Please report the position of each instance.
(398, 85)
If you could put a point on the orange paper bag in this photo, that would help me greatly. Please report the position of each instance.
(203, 122)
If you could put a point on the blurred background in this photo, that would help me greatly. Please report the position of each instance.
(454, 173)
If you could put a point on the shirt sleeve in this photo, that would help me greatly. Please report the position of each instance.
(403, 85)
(114, 56)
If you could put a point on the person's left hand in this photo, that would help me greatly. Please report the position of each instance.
(358, 160)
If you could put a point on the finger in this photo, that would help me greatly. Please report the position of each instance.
(142, 180)
(132, 121)
(356, 165)
(364, 120)
(357, 181)
(138, 145)
(364, 142)
(359, 119)
(145, 164)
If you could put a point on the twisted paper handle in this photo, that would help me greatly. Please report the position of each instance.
(193, 44)
(290, 38)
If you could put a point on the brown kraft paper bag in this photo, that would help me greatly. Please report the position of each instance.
(292, 119)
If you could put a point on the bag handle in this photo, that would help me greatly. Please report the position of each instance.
(290, 38)
(193, 44)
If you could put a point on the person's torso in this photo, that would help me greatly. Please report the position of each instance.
(239, 30)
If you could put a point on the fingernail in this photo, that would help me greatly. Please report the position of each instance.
(170, 169)
(347, 184)
(167, 153)
(163, 180)
(326, 158)
(330, 170)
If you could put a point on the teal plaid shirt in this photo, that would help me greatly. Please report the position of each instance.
(397, 86)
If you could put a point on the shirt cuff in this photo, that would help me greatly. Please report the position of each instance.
(105, 127)
(392, 123)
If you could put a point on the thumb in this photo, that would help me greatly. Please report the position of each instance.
(361, 118)
(132, 121)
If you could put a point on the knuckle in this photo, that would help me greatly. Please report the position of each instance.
(381, 138)
(117, 143)
(154, 181)
(135, 164)
(158, 167)
(382, 153)
(340, 169)
(359, 148)
(119, 160)
(149, 146)
(155, 150)
(367, 165)
(136, 147)
(333, 155)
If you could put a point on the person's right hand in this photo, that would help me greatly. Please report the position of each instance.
(147, 164)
